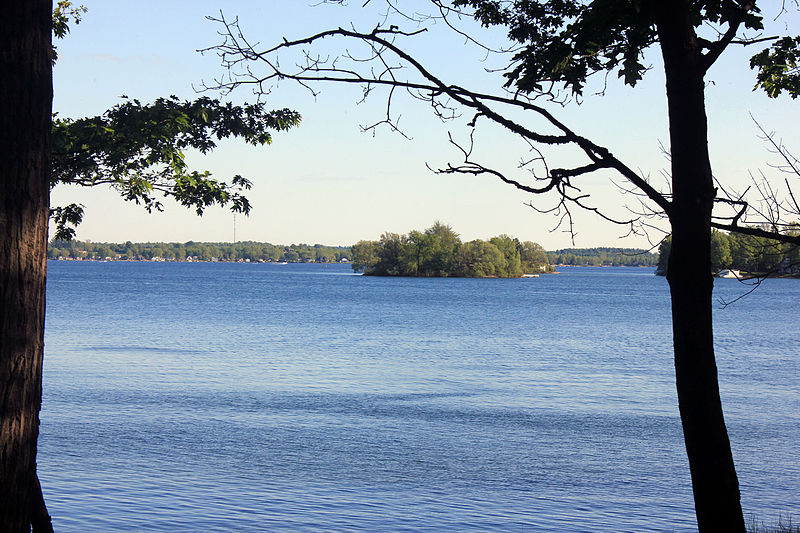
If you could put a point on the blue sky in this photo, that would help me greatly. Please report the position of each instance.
(327, 182)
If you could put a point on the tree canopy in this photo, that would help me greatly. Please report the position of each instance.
(439, 252)
(568, 41)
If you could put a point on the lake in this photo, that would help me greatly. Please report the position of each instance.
(264, 397)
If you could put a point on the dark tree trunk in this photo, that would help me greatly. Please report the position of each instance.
(714, 482)
(25, 106)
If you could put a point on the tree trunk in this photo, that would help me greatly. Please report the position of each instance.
(25, 107)
(714, 482)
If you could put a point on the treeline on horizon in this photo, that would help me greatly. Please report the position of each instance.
(197, 251)
(439, 252)
(297, 253)
(746, 253)
(603, 257)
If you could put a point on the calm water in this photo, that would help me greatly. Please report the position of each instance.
(227, 397)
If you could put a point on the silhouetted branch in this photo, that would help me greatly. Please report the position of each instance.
(389, 66)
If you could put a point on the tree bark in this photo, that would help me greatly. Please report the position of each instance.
(25, 113)
(714, 481)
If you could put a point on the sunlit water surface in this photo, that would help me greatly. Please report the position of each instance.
(248, 397)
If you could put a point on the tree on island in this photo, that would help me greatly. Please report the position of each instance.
(439, 252)
(555, 48)
(134, 148)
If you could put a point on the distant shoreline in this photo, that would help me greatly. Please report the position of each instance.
(264, 252)
(264, 262)
(161, 260)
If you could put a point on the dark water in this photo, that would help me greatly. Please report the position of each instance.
(245, 397)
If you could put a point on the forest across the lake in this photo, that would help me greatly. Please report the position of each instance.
(298, 253)
(433, 251)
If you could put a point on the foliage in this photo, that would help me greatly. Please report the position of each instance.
(63, 12)
(778, 68)
(66, 219)
(196, 251)
(720, 251)
(364, 255)
(663, 256)
(139, 150)
(748, 253)
(480, 259)
(567, 41)
(438, 252)
(511, 265)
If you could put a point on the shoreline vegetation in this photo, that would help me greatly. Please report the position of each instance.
(263, 252)
(238, 252)
(439, 252)
(749, 256)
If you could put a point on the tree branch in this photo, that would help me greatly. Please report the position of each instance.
(432, 86)
(757, 232)
(716, 48)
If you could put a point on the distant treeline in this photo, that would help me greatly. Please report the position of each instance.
(747, 253)
(603, 257)
(439, 252)
(197, 251)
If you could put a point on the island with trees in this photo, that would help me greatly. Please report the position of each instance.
(439, 252)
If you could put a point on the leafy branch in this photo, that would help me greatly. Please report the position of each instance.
(139, 150)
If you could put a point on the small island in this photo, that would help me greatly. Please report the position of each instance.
(438, 252)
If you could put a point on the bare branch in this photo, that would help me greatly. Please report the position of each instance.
(757, 232)
(432, 86)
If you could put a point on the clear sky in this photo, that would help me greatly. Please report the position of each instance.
(327, 182)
